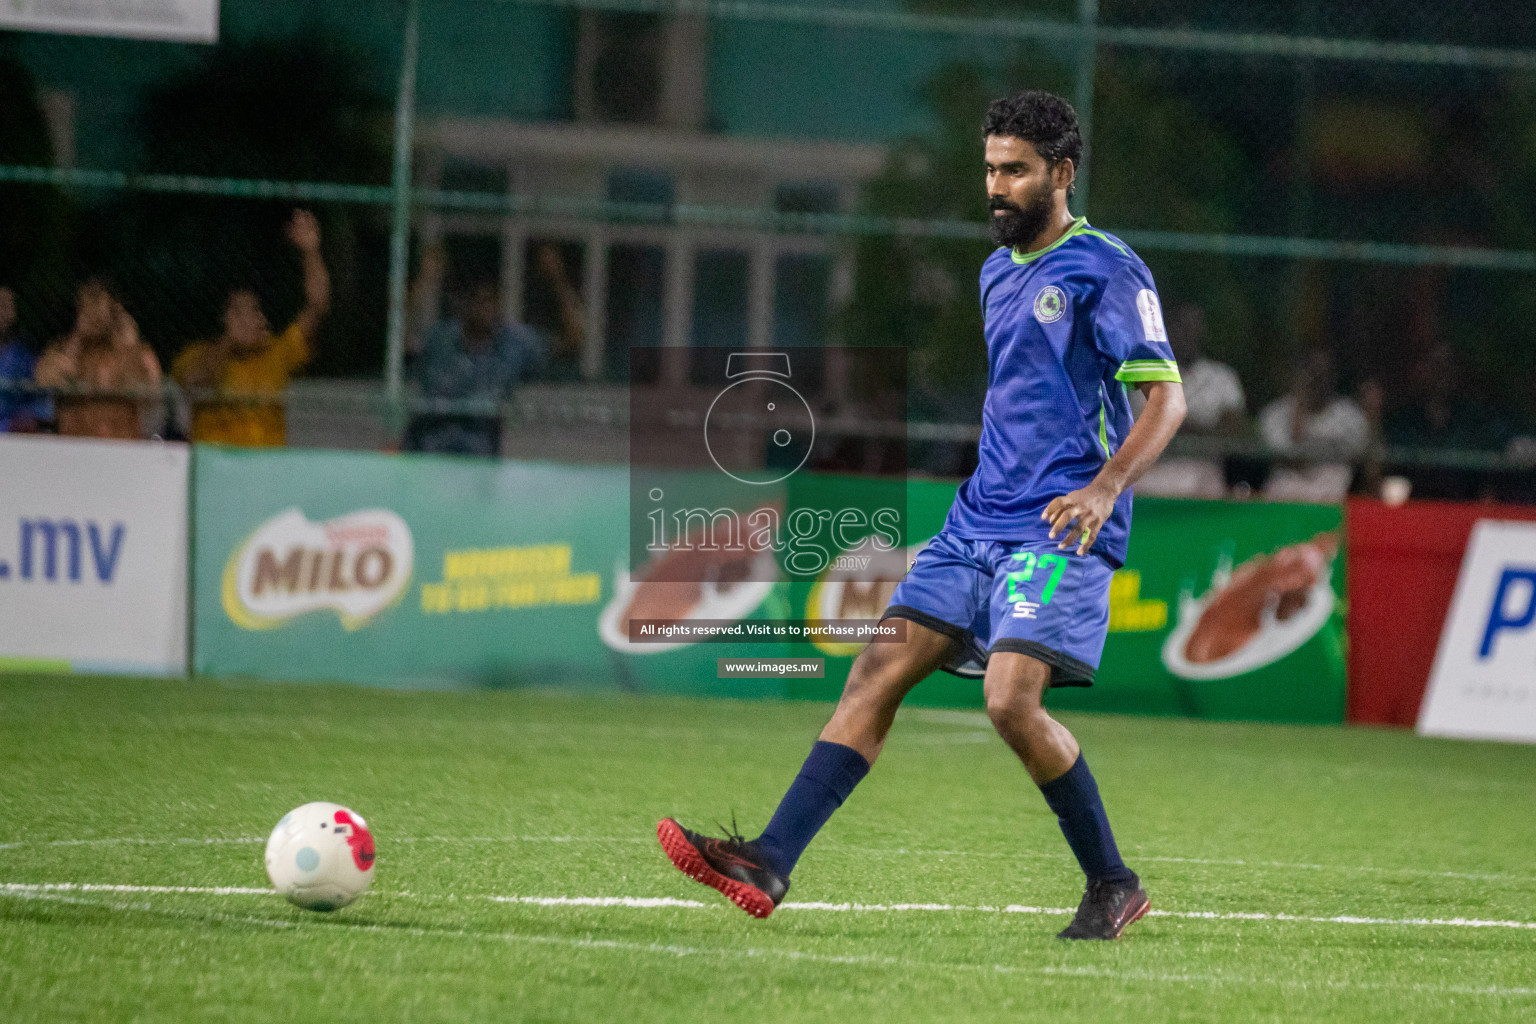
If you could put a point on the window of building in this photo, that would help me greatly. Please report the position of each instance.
(473, 176)
(801, 283)
(552, 276)
(641, 185)
(635, 315)
(806, 197)
(619, 56)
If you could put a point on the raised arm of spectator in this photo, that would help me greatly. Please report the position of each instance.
(304, 233)
(423, 297)
(573, 316)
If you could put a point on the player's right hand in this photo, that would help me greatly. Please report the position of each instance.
(1080, 515)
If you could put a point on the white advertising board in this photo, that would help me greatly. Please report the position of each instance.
(187, 21)
(93, 555)
(1483, 685)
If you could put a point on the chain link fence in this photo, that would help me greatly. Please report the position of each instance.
(1352, 180)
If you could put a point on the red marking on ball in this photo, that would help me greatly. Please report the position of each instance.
(359, 839)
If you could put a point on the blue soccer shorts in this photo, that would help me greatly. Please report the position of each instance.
(1028, 597)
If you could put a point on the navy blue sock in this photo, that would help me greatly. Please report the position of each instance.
(1075, 799)
(824, 782)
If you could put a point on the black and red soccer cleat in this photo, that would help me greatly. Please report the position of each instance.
(1107, 910)
(731, 865)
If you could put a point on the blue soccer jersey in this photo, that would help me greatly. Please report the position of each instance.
(1067, 328)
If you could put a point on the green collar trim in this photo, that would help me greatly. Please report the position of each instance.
(1078, 227)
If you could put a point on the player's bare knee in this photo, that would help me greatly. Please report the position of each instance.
(1012, 712)
(1013, 693)
(1000, 708)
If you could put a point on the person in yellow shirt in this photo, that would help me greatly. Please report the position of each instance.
(249, 362)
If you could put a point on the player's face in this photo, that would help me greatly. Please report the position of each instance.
(1021, 190)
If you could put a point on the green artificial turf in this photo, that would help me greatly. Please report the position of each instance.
(537, 794)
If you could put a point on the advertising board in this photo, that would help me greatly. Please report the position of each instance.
(187, 21)
(405, 570)
(429, 571)
(1483, 685)
(93, 555)
(1223, 610)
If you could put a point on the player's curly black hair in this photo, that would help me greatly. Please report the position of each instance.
(1041, 118)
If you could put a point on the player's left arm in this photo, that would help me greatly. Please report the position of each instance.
(1082, 513)
(1128, 331)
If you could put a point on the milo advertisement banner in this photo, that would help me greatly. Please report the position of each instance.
(404, 570)
(432, 571)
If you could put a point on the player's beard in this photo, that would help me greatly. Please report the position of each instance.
(1020, 225)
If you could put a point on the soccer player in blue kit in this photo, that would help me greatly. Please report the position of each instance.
(1017, 581)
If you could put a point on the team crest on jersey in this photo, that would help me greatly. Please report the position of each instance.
(1050, 304)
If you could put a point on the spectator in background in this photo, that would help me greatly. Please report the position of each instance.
(1314, 419)
(249, 361)
(1216, 407)
(103, 353)
(480, 358)
(21, 411)
(1213, 394)
(1443, 415)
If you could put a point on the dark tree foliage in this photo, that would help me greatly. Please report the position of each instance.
(279, 111)
(922, 292)
(1508, 178)
(1201, 144)
(35, 218)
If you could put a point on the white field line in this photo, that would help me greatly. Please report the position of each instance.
(649, 840)
(131, 841)
(1363, 868)
(657, 902)
(632, 902)
(951, 738)
(1203, 915)
(207, 890)
(871, 850)
(942, 716)
(761, 953)
(238, 840)
(1217, 862)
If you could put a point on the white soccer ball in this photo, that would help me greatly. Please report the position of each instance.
(320, 856)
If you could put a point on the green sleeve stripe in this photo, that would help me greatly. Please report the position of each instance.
(1101, 235)
(1147, 364)
(1133, 375)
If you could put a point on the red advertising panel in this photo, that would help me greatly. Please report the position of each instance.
(1402, 568)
